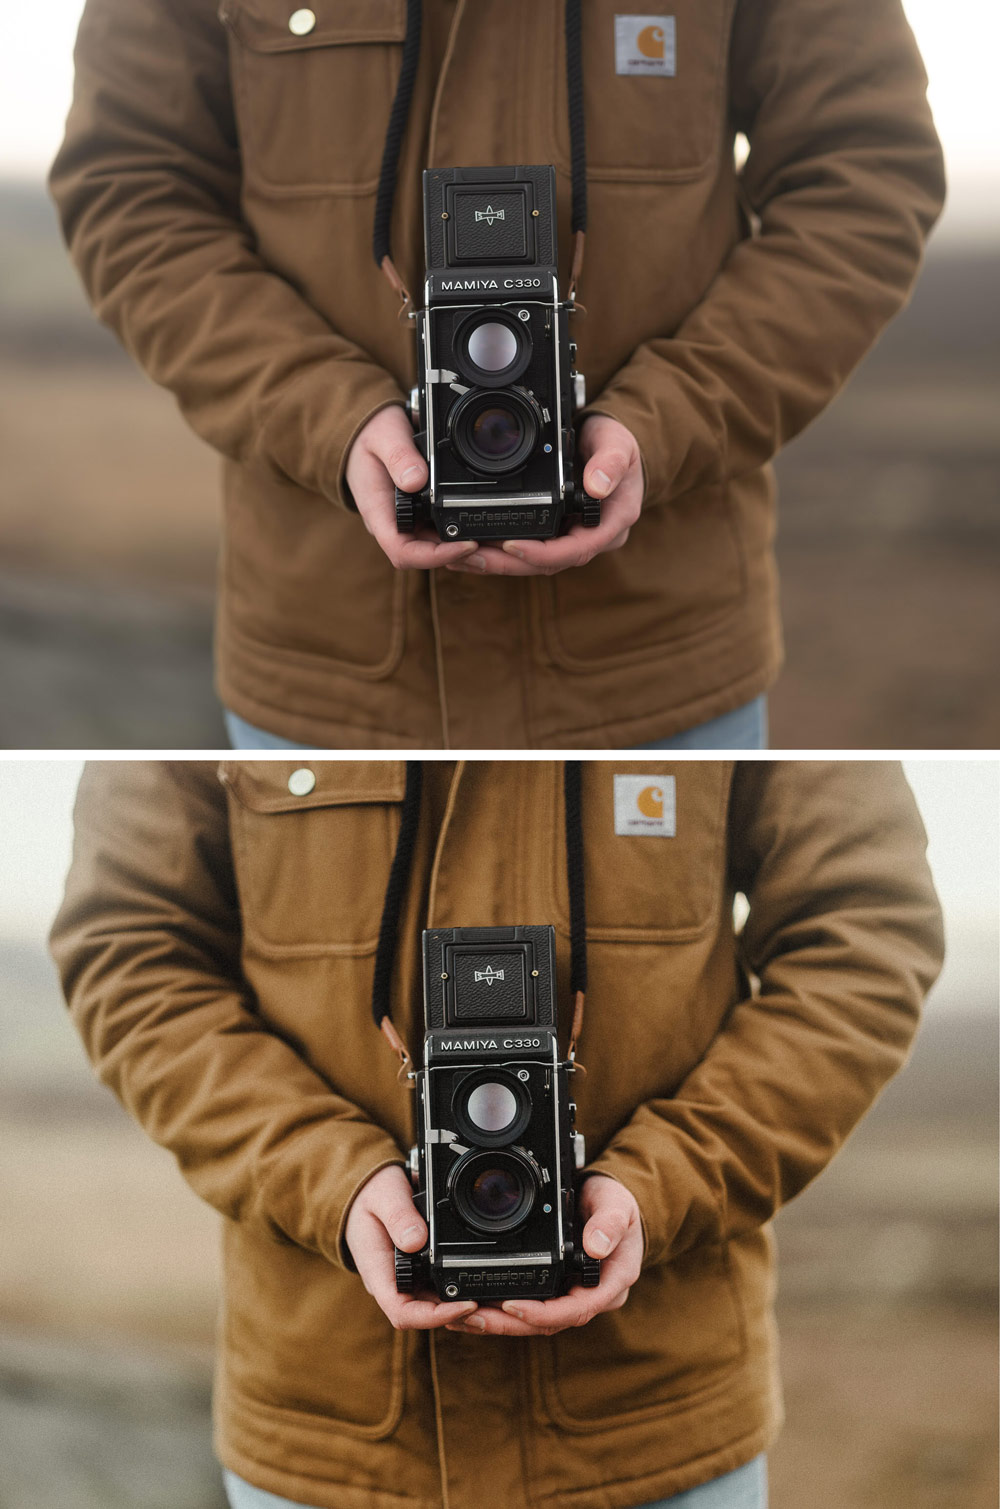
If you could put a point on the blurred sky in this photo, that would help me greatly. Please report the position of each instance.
(959, 800)
(960, 41)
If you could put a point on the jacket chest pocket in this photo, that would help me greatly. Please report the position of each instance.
(312, 848)
(313, 89)
(654, 844)
(663, 121)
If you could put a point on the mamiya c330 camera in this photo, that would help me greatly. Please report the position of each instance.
(496, 389)
(497, 1147)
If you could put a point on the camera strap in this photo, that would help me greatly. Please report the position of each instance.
(390, 152)
(399, 115)
(572, 783)
(577, 141)
(395, 895)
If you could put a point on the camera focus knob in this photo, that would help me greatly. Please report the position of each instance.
(406, 1272)
(406, 518)
(589, 508)
(589, 1270)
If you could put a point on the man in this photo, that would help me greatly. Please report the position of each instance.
(217, 947)
(217, 186)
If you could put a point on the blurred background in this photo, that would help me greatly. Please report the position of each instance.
(888, 535)
(888, 1263)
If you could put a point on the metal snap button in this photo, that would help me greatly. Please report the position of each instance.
(301, 23)
(301, 782)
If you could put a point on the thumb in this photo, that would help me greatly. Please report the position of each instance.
(398, 1214)
(392, 442)
(610, 1212)
(610, 456)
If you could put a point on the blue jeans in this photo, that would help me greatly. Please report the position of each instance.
(744, 728)
(746, 1488)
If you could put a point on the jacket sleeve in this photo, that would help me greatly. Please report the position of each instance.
(147, 183)
(843, 182)
(147, 943)
(842, 941)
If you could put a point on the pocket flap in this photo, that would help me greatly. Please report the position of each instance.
(263, 25)
(270, 785)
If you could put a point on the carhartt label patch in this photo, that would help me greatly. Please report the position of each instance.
(646, 44)
(646, 805)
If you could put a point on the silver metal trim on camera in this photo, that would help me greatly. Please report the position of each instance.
(512, 1260)
(509, 500)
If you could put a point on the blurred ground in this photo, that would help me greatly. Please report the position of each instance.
(889, 542)
(887, 1303)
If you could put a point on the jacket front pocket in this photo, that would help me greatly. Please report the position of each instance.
(312, 846)
(301, 1339)
(313, 89)
(675, 1338)
(681, 574)
(647, 886)
(662, 125)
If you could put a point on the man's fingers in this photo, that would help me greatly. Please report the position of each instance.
(491, 1322)
(406, 1227)
(393, 444)
(390, 1201)
(605, 470)
(405, 465)
(604, 1231)
(577, 1308)
(420, 551)
(426, 1314)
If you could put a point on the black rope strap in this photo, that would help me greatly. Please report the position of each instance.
(577, 133)
(574, 877)
(394, 136)
(395, 895)
(397, 125)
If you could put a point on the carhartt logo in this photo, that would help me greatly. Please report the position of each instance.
(650, 42)
(646, 806)
(489, 214)
(646, 44)
(489, 974)
(650, 801)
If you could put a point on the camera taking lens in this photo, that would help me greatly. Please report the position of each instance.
(494, 432)
(494, 1191)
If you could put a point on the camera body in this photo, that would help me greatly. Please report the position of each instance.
(497, 1149)
(496, 389)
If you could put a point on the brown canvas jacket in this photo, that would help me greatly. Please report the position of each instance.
(216, 946)
(216, 188)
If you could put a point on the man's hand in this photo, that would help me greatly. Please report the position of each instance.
(384, 454)
(613, 1232)
(383, 1213)
(613, 472)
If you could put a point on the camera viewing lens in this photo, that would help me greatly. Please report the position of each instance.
(496, 433)
(491, 1107)
(496, 1193)
(492, 346)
